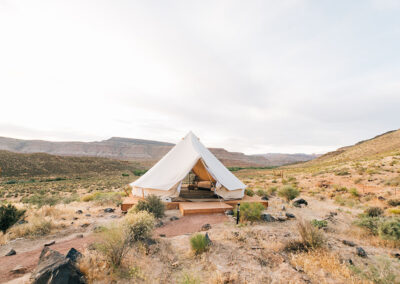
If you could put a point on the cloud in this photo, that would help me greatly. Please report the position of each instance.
(282, 76)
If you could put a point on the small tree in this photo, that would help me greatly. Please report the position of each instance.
(288, 192)
(9, 215)
(152, 204)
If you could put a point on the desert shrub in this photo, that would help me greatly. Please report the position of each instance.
(41, 199)
(250, 211)
(389, 229)
(249, 192)
(354, 192)
(368, 223)
(125, 175)
(262, 193)
(152, 204)
(393, 202)
(139, 172)
(187, 278)
(380, 271)
(114, 245)
(102, 198)
(319, 223)
(139, 226)
(272, 190)
(373, 211)
(9, 215)
(311, 237)
(342, 172)
(199, 243)
(288, 192)
(395, 211)
(37, 227)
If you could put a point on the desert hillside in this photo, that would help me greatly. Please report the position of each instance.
(39, 164)
(281, 159)
(381, 145)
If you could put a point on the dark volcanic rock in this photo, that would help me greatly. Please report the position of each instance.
(50, 243)
(361, 252)
(55, 268)
(173, 218)
(267, 217)
(349, 243)
(290, 215)
(109, 210)
(73, 255)
(79, 211)
(11, 252)
(206, 227)
(299, 202)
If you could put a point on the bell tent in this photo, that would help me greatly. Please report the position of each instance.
(165, 178)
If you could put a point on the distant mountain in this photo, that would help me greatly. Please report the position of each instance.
(145, 151)
(280, 159)
(381, 145)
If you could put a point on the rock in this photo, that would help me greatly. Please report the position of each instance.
(11, 252)
(75, 218)
(281, 219)
(267, 217)
(350, 261)
(229, 212)
(299, 202)
(349, 243)
(381, 198)
(20, 222)
(173, 218)
(264, 198)
(109, 210)
(79, 236)
(290, 215)
(19, 269)
(283, 208)
(113, 216)
(396, 255)
(88, 215)
(73, 255)
(85, 225)
(79, 211)
(208, 239)
(361, 252)
(206, 227)
(50, 243)
(162, 235)
(54, 268)
(159, 224)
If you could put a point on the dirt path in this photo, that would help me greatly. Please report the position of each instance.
(29, 259)
(189, 224)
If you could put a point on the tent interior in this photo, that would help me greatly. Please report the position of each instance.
(198, 184)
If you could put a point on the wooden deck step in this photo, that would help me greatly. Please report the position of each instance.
(191, 208)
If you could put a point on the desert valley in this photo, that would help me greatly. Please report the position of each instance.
(333, 219)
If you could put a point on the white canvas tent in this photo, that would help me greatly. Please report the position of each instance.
(165, 178)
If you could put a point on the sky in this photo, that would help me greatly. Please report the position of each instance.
(284, 76)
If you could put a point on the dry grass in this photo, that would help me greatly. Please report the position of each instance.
(364, 236)
(321, 264)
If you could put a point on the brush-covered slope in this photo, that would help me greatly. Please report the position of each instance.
(40, 164)
(381, 145)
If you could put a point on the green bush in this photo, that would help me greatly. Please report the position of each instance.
(249, 192)
(393, 202)
(354, 192)
(199, 243)
(272, 190)
(125, 175)
(262, 193)
(139, 225)
(288, 192)
(139, 172)
(390, 229)
(250, 211)
(152, 204)
(369, 223)
(9, 215)
(373, 211)
(114, 245)
(319, 223)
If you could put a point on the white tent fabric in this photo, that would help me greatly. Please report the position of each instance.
(165, 177)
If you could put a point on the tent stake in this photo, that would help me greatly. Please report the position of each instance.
(238, 214)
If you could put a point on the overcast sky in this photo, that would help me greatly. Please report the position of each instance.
(249, 76)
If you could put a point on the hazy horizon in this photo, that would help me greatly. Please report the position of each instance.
(262, 77)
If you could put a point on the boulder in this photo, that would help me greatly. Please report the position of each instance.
(396, 255)
(88, 215)
(11, 252)
(55, 268)
(109, 210)
(290, 215)
(162, 235)
(73, 255)
(79, 211)
(299, 202)
(381, 198)
(159, 224)
(349, 243)
(173, 218)
(264, 198)
(361, 252)
(229, 212)
(50, 243)
(206, 227)
(267, 217)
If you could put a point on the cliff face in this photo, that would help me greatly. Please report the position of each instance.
(147, 151)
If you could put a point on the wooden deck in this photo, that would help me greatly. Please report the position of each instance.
(197, 207)
(191, 208)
